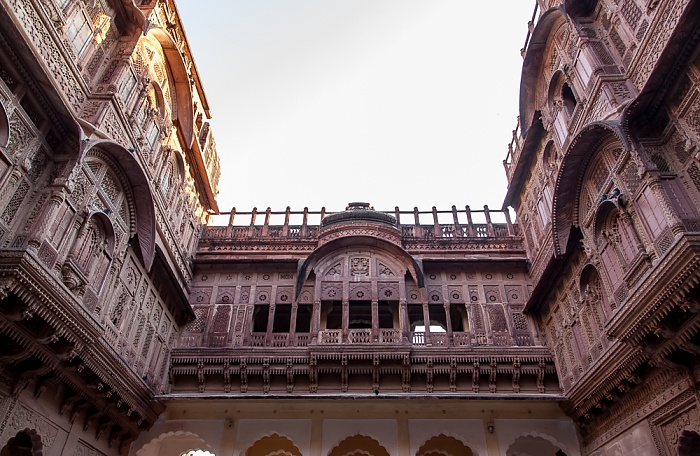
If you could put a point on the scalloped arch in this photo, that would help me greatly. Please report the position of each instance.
(358, 444)
(184, 114)
(541, 435)
(141, 193)
(4, 127)
(188, 438)
(273, 445)
(569, 180)
(413, 266)
(444, 444)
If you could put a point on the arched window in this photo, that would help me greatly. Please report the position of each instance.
(592, 292)
(567, 96)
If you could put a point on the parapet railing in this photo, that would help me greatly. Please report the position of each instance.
(461, 224)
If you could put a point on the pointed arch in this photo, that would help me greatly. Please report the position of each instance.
(568, 185)
(413, 266)
(182, 442)
(25, 443)
(4, 127)
(444, 445)
(184, 114)
(358, 445)
(538, 435)
(533, 64)
(273, 445)
(141, 193)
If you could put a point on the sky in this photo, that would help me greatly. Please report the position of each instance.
(317, 103)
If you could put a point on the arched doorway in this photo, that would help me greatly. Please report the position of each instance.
(359, 445)
(529, 445)
(180, 443)
(24, 443)
(444, 445)
(688, 443)
(273, 445)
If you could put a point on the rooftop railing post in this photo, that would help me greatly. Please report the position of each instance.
(417, 230)
(489, 225)
(436, 226)
(229, 228)
(470, 224)
(231, 216)
(509, 224)
(253, 216)
(305, 221)
(266, 225)
(285, 228)
(458, 229)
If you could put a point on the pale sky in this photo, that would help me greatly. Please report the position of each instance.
(392, 102)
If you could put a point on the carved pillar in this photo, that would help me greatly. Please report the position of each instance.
(45, 218)
(673, 221)
(270, 324)
(448, 320)
(404, 325)
(293, 323)
(628, 226)
(315, 320)
(345, 319)
(375, 320)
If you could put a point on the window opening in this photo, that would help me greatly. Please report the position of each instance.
(458, 317)
(387, 310)
(261, 315)
(569, 99)
(360, 315)
(282, 319)
(333, 312)
(128, 85)
(303, 322)
(79, 32)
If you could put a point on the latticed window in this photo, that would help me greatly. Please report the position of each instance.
(79, 32)
(128, 86)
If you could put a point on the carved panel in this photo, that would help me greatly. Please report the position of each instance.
(284, 295)
(388, 291)
(225, 295)
(361, 291)
(332, 291)
(263, 295)
(200, 295)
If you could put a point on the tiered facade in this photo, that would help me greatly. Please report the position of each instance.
(107, 172)
(604, 178)
(130, 324)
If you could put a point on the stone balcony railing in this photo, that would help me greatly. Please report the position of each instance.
(461, 225)
(387, 336)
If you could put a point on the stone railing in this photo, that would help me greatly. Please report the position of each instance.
(464, 223)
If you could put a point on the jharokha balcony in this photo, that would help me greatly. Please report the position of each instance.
(319, 298)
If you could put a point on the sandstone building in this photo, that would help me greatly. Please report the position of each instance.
(130, 324)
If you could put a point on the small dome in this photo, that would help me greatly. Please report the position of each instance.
(358, 212)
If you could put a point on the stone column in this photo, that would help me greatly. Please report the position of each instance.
(448, 321)
(315, 320)
(270, 324)
(674, 222)
(346, 319)
(404, 325)
(293, 324)
(375, 320)
(45, 218)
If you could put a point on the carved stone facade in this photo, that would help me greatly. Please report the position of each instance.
(602, 173)
(130, 325)
(104, 190)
